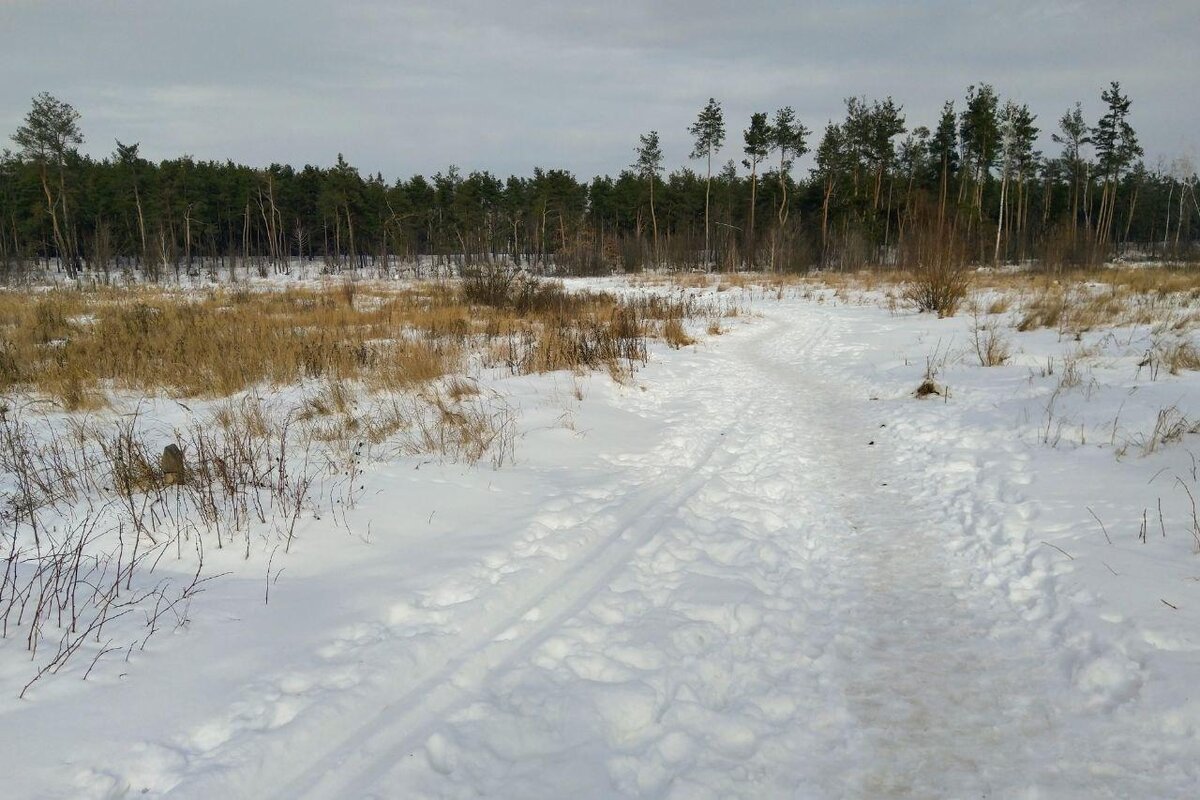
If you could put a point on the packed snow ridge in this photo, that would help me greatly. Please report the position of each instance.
(759, 568)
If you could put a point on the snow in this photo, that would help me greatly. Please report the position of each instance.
(759, 568)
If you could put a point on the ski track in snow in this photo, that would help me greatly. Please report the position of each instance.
(774, 601)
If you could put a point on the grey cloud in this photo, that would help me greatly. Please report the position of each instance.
(403, 87)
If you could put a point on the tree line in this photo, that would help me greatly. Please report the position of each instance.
(972, 188)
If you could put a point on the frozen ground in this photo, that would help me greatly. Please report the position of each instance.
(762, 568)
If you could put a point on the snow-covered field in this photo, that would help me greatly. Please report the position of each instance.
(759, 568)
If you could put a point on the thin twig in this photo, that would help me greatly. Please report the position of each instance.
(1059, 549)
(1106, 536)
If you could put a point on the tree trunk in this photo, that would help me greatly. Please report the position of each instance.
(52, 208)
(68, 239)
(707, 191)
(750, 256)
(654, 223)
(137, 201)
(1000, 218)
(825, 219)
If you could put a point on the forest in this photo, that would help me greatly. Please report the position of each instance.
(972, 188)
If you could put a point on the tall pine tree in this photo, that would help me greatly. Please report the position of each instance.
(757, 147)
(649, 166)
(708, 132)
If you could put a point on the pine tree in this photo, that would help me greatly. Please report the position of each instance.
(943, 152)
(47, 139)
(129, 162)
(1007, 139)
(915, 163)
(709, 133)
(1074, 134)
(789, 137)
(885, 122)
(979, 134)
(831, 162)
(648, 166)
(56, 202)
(757, 147)
(1025, 161)
(1117, 148)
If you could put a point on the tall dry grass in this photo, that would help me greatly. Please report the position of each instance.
(78, 347)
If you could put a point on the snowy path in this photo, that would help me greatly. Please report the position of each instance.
(765, 603)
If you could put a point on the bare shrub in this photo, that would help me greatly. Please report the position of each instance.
(73, 564)
(991, 348)
(488, 285)
(935, 256)
(938, 288)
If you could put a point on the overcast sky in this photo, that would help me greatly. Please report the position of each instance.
(506, 85)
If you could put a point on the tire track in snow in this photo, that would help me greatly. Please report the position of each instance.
(444, 681)
(756, 450)
(393, 723)
(350, 769)
(405, 721)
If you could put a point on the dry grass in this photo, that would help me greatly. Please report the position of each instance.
(1044, 309)
(1078, 308)
(78, 347)
(999, 305)
(89, 504)
(335, 397)
(1180, 356)
(1079, 301)
(1072, 374)
(1170, 426)
(674, 334)
(75, 346)
(89, 508)
(685, 280)
(458, 388)
(1070, 302)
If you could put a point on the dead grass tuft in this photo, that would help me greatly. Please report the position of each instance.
(1044, 310)
(674, 334)
(927, 388)
(1169, 426)
(1000, 305)
(1181, 356)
